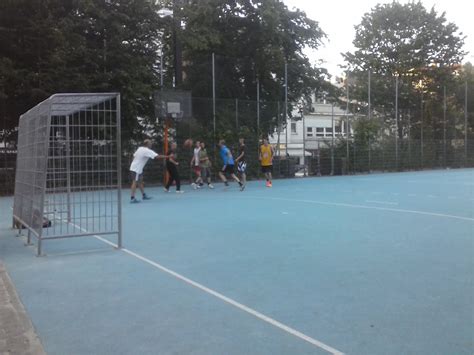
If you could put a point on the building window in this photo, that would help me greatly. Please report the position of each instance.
(338, 130)
(319, 131)
(328, 131)
(293, 128)
(309, 131)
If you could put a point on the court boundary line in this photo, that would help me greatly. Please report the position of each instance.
(221, 297)
(349, 205)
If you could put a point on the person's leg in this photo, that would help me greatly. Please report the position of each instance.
(222, 176)
(267, 176)
(208, 177)
(199, 176)
(170, 178)
(177, 179)
(141, 185)
(133, 188)
(233, 176)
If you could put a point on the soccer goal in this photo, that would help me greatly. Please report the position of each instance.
(68, 176)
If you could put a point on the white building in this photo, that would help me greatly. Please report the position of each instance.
(324, 123)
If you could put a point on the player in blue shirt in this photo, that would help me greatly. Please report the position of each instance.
(228, 168)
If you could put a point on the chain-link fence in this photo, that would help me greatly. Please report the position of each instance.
(367, 123)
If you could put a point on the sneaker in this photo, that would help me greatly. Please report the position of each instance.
(210, 186)
(179, 192)
(134, 200)
(270, 185)
(242, 187)
(166, 190)
(267, 184)
(226, 183)
(146, 197)
(199, 186)
(194, 186)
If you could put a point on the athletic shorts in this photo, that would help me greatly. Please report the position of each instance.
(197, 169)
(267, 168)
(136, 177)
(242, 167)
(228, 169)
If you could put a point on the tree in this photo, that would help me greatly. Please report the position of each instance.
(251, 40)
(411, 43)
(78, 46)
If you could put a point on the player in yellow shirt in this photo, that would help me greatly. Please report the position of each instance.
(266, 161)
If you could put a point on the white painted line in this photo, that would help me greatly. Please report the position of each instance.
(226, 299)
(337, 204)
(439, 183)
(431, 196)
(284, 213)
(383, 202)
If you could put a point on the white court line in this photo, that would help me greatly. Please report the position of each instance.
(382, 202)
(226, 299)
(440, 183)
(361, 206)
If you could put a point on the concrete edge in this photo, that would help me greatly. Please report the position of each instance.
(17, 334)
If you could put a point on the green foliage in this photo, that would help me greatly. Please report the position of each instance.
(419, 47)
(250, 40)
(75, 46)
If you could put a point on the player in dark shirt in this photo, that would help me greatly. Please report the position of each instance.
(172, 167)
(242, 162)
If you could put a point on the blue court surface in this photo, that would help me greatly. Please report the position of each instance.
(371, 264)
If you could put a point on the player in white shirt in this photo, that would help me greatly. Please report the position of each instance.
(140, 158)
(195, 165)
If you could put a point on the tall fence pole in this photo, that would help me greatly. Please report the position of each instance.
(465, 124)
(347, 123)
(396, 122)
(409, 139)
(332, 139)
(237, 114)
(258, 109)
(286, 110)
(214, 95)
(304, 144)
(421, 131)
(370, 119)
(444, 126)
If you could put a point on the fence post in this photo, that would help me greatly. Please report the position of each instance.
(421, 131)
(396, 122)
(444, 126)
(409, 139)
(370, 121)
(214, 96)
(237, 114)
(465, 124)
(332, 139)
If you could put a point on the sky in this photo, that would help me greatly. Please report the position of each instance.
(337, 19)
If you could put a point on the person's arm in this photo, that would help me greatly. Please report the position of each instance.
(192, 161)
(161, 156)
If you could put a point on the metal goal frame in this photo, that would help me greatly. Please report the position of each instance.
(68, 177)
